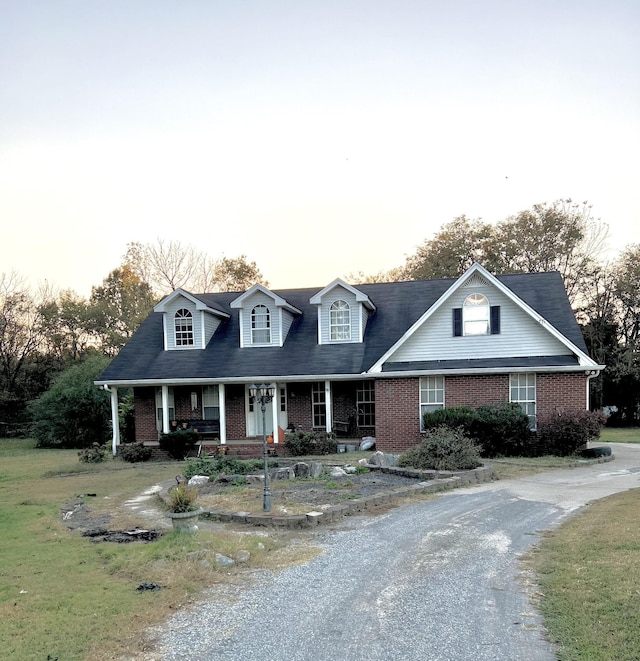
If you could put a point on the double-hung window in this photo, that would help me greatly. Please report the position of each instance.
(183, 324)
(210, 403)
(319, 404)
(522, 390)
(431, 395)
(170, 403)
(260, 325)
(366, 403)
(340, 321)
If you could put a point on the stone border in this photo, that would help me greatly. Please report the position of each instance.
(429, 482)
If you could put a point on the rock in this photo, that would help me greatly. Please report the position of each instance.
(315, 469)
(350, 470)
(383, 459)
(336, 471)
(222, 561)
(301, 469)
(254, 479)
(242, 556)
(227, 479)
(363, 462)
(198, 480)
(285, 473)
(199, 557)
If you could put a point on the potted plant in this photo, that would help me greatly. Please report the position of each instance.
(183, 511)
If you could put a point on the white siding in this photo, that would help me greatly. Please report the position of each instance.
(287, 320)
(258, 298)
(339, 294)
(211, 323)
(178, 303)
(520, 335)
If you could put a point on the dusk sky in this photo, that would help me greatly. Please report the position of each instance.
(318, 138)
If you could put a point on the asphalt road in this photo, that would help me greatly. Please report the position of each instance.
(439, 580)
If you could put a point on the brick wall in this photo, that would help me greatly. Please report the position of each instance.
(144, 401)
(235, 421)
(398, 401)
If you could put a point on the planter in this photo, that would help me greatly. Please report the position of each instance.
(185, 521)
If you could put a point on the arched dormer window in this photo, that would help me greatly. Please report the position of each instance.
(340, 321)
(183, 324)
(260, 325)
(475, 315)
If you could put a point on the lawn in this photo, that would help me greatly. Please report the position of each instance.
(63, 596)
(66, 597)
(620, 435)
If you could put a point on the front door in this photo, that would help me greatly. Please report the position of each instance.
(254, 417)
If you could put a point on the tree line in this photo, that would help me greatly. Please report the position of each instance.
(44, 332)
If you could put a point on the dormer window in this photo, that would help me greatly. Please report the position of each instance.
(475, 315)
(340, 321)
(260, 325)
(183, 323)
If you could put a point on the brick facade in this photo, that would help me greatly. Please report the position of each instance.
(397, 404)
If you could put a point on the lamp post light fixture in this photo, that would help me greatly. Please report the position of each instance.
(263, 394)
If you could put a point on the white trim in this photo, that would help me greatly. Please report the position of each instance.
(583, 359)
(222, 402)
(278, 300)
(316, 299)
(162, 305)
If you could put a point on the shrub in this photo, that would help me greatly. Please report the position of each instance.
(93, 455)
(501, 430)
(228, 465)
(73, 413)
(300, 443)
(443, 448)
(178, 444)
(564, 434)
(134, 452)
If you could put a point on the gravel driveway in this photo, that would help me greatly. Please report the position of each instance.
(437, 580)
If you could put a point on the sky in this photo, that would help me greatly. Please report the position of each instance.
(319, 139)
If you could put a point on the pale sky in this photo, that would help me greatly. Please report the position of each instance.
(318, 138)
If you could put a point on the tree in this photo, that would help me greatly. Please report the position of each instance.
(167, 266)
(73, 413)
(22, 335)
(561, 236)
(451, 251)
(118, 307)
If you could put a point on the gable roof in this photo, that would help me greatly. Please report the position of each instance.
(200, 304)
(399, 306)
(278, 300)
(360, 297)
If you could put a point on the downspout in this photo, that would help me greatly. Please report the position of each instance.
(115, 420)
(590, 375)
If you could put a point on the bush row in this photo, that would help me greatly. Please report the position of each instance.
(213, 466)
(300, 443)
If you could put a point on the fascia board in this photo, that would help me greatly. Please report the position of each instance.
(551, 369)
(278, 300)
(200, 305)
(316, 299)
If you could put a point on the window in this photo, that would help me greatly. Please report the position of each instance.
(210, 403)
(260, 325)
(366, 404)
(171, 403)
(339, 321)
(183, 322)
(319, 405)
(475, 315)
(522, 390)
(431, 395)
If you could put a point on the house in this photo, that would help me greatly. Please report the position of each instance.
(358, 361)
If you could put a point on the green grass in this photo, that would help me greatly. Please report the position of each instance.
(589, 576)
(619, 435)
(65, 596)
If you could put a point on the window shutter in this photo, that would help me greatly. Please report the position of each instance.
(495, 320)
(457, 322)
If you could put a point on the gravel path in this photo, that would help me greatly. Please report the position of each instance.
(437, 580)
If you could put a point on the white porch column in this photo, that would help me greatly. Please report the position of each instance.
(275, 405)
(115, 421)
(165, 409)
(222, 403)
(328, 406)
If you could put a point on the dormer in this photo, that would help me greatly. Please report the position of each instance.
(343, 312)
(264, 317)
(187, 322)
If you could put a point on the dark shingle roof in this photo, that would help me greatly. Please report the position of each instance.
(398, 306)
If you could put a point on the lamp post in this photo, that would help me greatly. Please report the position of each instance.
(263, 394)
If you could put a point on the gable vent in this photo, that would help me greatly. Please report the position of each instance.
(476, 280)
